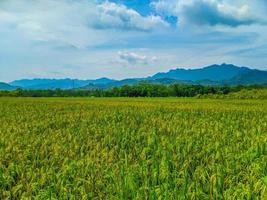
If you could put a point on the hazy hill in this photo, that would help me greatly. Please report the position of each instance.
(224, 74)
(212, 73)
(57, 83)
(251, 77)
(5, 86)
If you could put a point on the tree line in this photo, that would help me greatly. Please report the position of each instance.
(139, 90)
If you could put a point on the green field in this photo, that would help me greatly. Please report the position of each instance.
(162, 148)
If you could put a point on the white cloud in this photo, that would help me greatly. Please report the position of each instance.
(111, 15)
(154, 58)
(165, 7)
(209, 12)
(78, 23)
(132, 58)
(6, 17)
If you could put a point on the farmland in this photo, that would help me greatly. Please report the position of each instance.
(133, 148)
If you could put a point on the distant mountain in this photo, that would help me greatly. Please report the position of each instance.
(112, 84)
(212, 73)
(224, 74)
(102, 81)
(5, 86)
(249, 78)
(57, 83)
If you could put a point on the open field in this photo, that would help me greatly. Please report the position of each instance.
(162, 148)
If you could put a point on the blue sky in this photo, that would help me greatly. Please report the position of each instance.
(119, 39)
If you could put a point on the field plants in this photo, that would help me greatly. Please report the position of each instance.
(140, 148)
(242, 94)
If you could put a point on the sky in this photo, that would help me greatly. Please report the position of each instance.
(89, 39)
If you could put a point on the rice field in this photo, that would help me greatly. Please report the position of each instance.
(133, 148)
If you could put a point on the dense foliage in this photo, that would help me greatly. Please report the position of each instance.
(140, 148)
(139, 90)
(242, 94)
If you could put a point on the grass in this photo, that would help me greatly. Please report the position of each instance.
(123, 148)
(242, 94)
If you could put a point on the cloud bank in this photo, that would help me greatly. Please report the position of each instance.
(208, 12)
(111, 15)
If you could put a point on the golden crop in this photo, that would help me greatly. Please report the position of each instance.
(90, 148)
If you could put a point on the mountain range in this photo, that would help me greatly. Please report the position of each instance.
(58, 83)
(5, 86)
(224, 74)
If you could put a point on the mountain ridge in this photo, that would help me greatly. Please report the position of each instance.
(67, 83)
(5, 86)
(212, 72)
(224, 74)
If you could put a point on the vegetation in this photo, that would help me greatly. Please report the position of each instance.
(139, 148)
(242, 94)
(139, 90)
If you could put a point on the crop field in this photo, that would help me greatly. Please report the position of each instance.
(133, 148)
